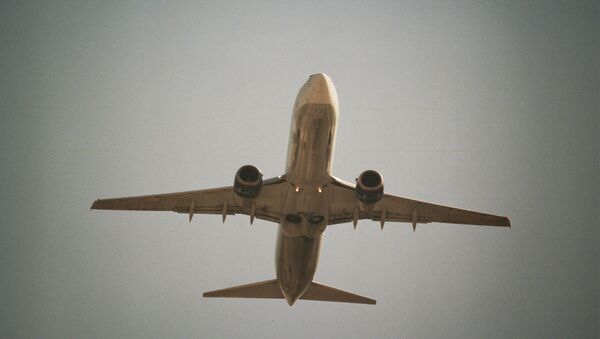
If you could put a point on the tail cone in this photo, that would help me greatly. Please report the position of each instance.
(290, 300)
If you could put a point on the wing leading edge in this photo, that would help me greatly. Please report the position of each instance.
(345, 208)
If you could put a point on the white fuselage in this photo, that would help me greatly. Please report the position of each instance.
(308, 171)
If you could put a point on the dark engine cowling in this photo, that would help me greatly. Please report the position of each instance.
(248, 182)
(369, 187)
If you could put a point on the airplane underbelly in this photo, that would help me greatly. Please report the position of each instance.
(311, 145)
(305, 211)
(308, 169)
(296, 262)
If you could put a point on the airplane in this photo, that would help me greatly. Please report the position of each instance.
(304, 201)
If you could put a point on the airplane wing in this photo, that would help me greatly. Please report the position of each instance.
(344, 208)
(221, 201)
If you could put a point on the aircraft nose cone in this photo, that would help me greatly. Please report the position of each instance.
(320, 78)
(318, 89)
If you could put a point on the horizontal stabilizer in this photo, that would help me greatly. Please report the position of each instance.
(261, 289)
(270, 289)
(321, 292)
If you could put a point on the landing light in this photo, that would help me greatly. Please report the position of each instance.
(297, 188)
(319, 189)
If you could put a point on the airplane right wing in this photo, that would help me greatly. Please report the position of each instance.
(221, 201)
(344, 208)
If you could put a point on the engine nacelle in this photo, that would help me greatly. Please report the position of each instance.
(247, 182)
(369, 187)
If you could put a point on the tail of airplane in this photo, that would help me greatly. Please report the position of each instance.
(322, 292)
(270, 289)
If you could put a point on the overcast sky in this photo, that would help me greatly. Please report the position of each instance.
(485, 105)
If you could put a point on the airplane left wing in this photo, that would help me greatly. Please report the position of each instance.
(221, 201)
(344, 207)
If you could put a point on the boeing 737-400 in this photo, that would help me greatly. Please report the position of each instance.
(303, 201)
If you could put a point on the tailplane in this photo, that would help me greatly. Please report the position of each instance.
(270, 289)
(322, 292)
(262, 289)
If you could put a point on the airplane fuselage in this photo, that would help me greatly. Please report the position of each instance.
(303, 201)
(308, 171)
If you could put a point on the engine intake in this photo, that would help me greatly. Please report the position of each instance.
(369, 187)
(248, 182)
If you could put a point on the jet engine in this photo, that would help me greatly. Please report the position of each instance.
(248, 182)
(369, 187)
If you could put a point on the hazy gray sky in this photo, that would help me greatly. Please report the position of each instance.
(485, 105)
